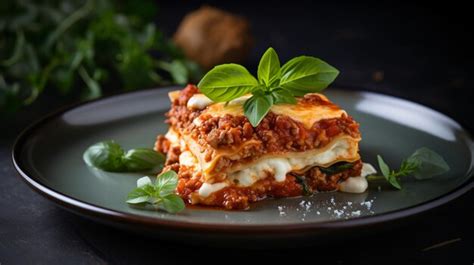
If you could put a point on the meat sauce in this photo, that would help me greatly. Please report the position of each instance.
(275, 132)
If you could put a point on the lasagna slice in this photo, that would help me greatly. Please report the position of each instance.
(222, 160)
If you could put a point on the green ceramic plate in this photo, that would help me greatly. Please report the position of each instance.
(48, 155)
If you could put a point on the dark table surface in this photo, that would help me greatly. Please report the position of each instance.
(416, 52)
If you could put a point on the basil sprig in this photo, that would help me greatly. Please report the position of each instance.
(275, 84)
(109, 156)
(424, 163)
(160, 195)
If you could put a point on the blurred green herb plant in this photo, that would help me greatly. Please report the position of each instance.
(80, 47)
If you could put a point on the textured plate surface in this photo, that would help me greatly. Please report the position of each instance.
(48, 156)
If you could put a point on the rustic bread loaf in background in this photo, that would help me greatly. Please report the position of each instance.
(211, 36)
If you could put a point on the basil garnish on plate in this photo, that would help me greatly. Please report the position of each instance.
(109, 156)
(159, 195)
(424, 163)
(274, 85)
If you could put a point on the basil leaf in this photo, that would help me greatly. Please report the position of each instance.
(105, 155)
(394, 181)
(138, 195)
(269, 68)
(336, 168)
(407, 167)
(429, 163)
(307, 74)
(166, 183)
(383, 167)
(109, 156)
(256, 107)
(226, 82)
(173, 203)
(143, 181)
(149, 189)
(141, 159)
(139, 200)
(283, 96)
(160, 194)
(391, 178)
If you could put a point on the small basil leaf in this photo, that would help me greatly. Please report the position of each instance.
(150, 190)
(387, 174)
(138, 195)
(429, 163)
(143, 181)
(173, 203)
(166, 183)
(141, 159)
(226, 82)
(105, 155)
(408, 166)
(394, 182)
(269, 67)
(160, 195)
(307, 74)
(256, 107)
(283, 96)
(336, 168)
(383, 167)
(139, 200)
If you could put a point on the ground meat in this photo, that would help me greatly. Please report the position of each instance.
(171, 166)
(186, 94)
(162, 144)
(320, 181)
(275, 133)
(173, 155)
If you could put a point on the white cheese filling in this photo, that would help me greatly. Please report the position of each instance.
(367, 169)
(351, 185)
(207, 189)
(172, 136)
(279, 167)
(186, 158)
(199, 101)
(358, 184)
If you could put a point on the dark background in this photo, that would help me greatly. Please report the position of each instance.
(422, 52)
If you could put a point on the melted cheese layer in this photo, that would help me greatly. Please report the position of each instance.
(351, 185)
(358, 184)
(199, 101)
(307, 114)
(207, 189)
(279, 167)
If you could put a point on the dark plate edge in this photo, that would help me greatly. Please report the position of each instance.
(97, 212)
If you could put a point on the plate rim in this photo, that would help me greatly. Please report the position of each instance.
(106, 214)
